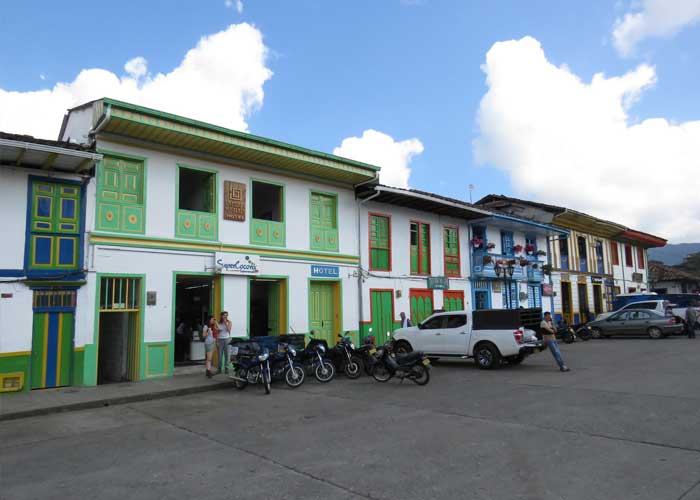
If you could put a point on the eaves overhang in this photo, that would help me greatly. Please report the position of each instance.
(517, 224)
(39, 154)
(641, 239)
(577, 221)
(127, 120)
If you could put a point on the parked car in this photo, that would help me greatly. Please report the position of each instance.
(452, 334)
(658, 305)
(636, 322)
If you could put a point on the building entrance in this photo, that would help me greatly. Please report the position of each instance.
(268, 307)
(194, 303)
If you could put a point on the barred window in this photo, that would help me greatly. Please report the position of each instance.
(54, 298)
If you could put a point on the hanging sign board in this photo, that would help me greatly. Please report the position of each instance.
(546, 290)
(318, 271)
(234, 201)
(237, 263)
(438, 283)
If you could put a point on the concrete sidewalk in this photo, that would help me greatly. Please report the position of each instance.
(41, 402)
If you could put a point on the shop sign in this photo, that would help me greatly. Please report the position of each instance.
(637, 277)
(438, 283)
(546, 290)
(237, 263)
(318, 271)
(234, 201)
(596, 279)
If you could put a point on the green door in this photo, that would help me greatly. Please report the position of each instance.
(322, 311)
(324, 223)
(453, 301)
(52, 342)
(382, 314)
(273, 309)
(421, 305)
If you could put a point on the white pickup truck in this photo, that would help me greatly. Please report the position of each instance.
(451, 334)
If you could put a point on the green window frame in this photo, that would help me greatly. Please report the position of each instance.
(420, 248)
(121, 193)
(267, 230)
(197, 224)
(54, 225)
(323, 223)
(379, 242)
(450, 238)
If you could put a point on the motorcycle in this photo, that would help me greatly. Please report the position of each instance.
(314, 361)
(414, 366)
(569, 334)
(284, 366)
(344, 357)
(250, 365)
(367, 352)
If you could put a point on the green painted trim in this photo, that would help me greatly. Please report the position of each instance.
(111, 152)
(215, 203)
(271, 277)
(283, 209)
(195, 246)
(340, 300)
(337, 219)
(240, 135)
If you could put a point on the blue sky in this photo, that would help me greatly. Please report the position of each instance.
(406, 68)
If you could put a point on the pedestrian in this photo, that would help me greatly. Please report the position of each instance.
(224, 328)
(550, 340)
(405, 322)
(691, 318)
(209, 333)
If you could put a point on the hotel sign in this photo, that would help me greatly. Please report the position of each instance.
(237, 263)
(318, 271)
(234, 201)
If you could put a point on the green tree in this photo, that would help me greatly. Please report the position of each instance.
(691, 263)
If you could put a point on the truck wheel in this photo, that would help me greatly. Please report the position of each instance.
(403, 347)
(487, 356)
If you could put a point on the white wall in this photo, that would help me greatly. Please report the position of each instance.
(623, 274)
(161, 181)
(15, 318)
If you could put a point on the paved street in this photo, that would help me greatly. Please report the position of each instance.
(624, 424)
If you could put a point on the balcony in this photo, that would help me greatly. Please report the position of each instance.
(520, 273)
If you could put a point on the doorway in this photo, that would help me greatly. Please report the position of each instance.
(381, 314)
(268, 307)
(119, 344)
(453, 300)
(324, 309)
(566, 309)
(194, 303)
(597, 299)
(584, 313)
(421, 301)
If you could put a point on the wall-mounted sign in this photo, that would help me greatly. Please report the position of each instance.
(638, 277)
(438, 283)
(596, 279)
(237, 263)
(150, 298)
(318, 271)
(546, 290)
(234, 201)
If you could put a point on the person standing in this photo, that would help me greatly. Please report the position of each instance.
(691, 318)
(224, 328)
(405, 322)
(550, 340)
(209, 335)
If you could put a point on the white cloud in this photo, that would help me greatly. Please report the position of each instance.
(570, 142)
(658, 18)
(237, 3)
(42, 76)
(219, 81)
(382, 150)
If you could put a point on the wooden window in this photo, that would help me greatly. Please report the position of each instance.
(379, 242)
(507, 243)
(420, 248)
(324, 222)
(615, 253)
(54, 226)
(267, 224)
(120, 194)
(196, 215)
(640, 257)
(628, 256)
(51, 299)
(582, 254)
(451, 247)
(120, 294)
(564, 252)
(600, 267)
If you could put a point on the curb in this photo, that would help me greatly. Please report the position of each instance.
(116, 400)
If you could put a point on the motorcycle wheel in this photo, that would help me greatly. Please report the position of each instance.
(325, 372)
(380, 373)
(294, 377)
(423, 375)
(353, 369)
(266, 382)
(240, 374)
(584, 334)
(367, 367)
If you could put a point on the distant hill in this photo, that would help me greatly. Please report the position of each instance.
(672, 255)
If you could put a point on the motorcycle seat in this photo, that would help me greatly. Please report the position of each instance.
(409, 358)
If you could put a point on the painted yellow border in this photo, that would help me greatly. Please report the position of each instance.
(17, 353)
(3, 376)
(167, 358)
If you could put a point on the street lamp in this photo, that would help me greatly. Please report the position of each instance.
(506, 270)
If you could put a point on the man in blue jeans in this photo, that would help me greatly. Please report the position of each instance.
(550, 340)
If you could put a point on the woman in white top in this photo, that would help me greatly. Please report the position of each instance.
(223, 340)
(209, 335)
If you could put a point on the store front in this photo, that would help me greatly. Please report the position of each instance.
(196, 298)
(268, 306)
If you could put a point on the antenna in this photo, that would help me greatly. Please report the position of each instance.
(471, 188)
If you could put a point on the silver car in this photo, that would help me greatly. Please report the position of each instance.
(636, 322)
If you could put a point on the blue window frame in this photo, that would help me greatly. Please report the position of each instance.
(510, 296)
(564, 252)
(599, 257)
(507, 243)
(534, 296)
(582, 254)
(482, 294)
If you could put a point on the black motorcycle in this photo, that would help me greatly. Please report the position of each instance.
(313, 359)
(569, 334)
(414, 366)
(367, 353)
(250, 365)
(285, 367)
(345, 358)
